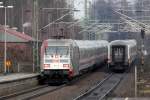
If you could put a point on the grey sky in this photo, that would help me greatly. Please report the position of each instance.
(79, 4)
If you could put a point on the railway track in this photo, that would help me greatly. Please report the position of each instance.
(39, 90)
(31, 93)
(102, 89)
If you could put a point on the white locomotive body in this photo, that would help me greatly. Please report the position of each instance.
(121, 54)
(66, 58)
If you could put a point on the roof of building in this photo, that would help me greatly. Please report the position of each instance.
(13, 35)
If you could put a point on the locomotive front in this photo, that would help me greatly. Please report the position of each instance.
(55, 61)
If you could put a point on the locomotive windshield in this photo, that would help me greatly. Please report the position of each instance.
(57, 50)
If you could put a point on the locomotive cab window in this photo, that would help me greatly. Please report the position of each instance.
(57, 50)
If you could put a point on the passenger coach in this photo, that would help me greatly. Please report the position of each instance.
(64, 59)
(121, 54)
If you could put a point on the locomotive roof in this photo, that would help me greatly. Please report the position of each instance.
(81, 43)
(57, 42)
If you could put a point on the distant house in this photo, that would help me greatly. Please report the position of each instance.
(18, 47)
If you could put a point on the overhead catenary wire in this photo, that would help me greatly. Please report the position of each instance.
(130, 18)
(48, 25)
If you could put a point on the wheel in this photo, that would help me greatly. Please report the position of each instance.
(41, 80)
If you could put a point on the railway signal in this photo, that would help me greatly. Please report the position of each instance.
(142, 33)
(142, 46)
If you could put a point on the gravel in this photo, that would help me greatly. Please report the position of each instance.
(72, 91)
(126, 88)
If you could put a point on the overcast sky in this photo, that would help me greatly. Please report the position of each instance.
(79, 4)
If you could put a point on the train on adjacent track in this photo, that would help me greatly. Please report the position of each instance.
(63, 59)
(121, 54)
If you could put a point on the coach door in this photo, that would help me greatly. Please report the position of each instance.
(118, 54)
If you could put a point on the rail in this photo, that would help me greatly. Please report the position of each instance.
(102, 89)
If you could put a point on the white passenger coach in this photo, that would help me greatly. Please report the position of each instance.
(66, 58)
(121, 54)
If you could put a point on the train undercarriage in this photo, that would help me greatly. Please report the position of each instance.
(55, 76)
